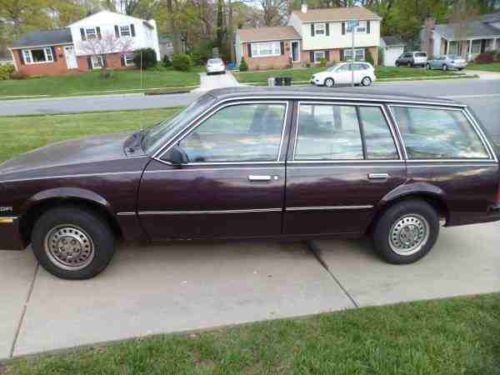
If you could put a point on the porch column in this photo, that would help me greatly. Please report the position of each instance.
(470, 50)
(446, 47)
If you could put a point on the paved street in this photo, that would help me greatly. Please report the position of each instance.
(179, 287)
(482, 95)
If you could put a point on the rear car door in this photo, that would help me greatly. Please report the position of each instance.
(234, 182)
(343, 158)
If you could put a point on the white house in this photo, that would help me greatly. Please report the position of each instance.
(102, 38)
(312, 35)
(392, 47)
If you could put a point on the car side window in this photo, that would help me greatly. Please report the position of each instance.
(238, 133)
(379, 142)
(436, 133)
(328, 132)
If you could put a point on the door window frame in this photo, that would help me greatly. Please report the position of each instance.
(387, 118)
(186, 131)
(470, 119)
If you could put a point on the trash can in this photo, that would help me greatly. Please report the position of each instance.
(278, 81)
(270, 81)
(288, 81)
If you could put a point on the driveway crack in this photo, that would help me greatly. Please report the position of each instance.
(25, 307)
(316, 252)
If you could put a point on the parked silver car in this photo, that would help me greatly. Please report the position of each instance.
(215, 66)
(446, 62)
(415, 58)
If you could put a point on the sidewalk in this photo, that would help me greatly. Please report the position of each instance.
(181, 287)
(483, 74)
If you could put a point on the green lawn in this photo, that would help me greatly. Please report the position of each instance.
(24, 133)
(493, 67)
(92, 83)
(305, 74)
(455, 336)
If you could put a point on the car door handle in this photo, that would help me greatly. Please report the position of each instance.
(378, 176)
(254, 177)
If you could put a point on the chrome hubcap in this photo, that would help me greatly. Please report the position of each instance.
(69, 247)
(409, 234)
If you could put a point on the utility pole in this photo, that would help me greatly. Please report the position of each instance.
(352, 25)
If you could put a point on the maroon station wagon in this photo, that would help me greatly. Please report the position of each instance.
(257, 163)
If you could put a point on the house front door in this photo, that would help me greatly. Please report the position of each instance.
(295, 52)
(69, 53)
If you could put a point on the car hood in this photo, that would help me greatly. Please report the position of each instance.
(68, 154)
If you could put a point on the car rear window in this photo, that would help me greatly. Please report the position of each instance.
(420, 54)
(436, 133)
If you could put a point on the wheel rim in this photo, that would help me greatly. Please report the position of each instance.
(329, 82)
(445, 67)
(366, 81)
(409, 234)
(69, 247)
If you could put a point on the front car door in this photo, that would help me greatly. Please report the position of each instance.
(343, 159)
(343, 74)
(233, 184)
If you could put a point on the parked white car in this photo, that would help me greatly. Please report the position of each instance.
(215, 66)
(341, 74)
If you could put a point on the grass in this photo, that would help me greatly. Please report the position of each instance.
(92, 83)
(382, 72)
(23, 133)
(455, 336)
(493, 67)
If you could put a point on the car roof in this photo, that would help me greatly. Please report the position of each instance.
(308, 93)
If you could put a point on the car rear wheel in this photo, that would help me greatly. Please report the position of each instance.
(329, 82)
(397, 64)
(429, 67)
(445, 67)
(406, 232)
(72, 243)
(367, 81)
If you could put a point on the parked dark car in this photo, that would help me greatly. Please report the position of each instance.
(415, 58)
(257, 163)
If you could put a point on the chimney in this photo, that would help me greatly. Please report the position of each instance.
(303, 7)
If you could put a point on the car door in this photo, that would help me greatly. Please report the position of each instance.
(232, 183)
(343, 75)
(344, 158)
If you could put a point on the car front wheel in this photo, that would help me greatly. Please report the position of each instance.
(72, 242)
(406, 232)
(329, 82)
(367, 81)
(428, 66)
(445, 67)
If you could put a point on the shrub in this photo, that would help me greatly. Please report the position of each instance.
(181, 62)
(6, 70)
(497, 55)
(485, 58)
(148, 58)
(166, 62)
(202, 51)
(18, 75)
(323, 62)
(369, 58)
(243, 65)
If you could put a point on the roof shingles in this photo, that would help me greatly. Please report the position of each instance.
(44, 38)
(336, 14)
(263, 34)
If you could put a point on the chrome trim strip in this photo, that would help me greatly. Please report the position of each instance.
(70, 176)
(126, 214)
(179, 136)
(8, 219)
(211, 212)
(357, 104)
(330, 208)
(338, 162)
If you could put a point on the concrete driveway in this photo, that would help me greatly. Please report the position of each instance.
(180, 287)
(216, 81)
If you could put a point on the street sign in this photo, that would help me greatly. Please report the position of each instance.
(351, 24)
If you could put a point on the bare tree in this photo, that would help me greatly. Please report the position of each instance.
(275, 11)
(100, 46)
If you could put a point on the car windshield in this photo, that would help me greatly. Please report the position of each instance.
(156, 136)
(334, 67)
(454, 57)
(215, 61)
(420, 54)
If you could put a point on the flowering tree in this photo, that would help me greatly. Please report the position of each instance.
(101, 46)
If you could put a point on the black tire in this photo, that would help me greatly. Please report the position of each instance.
(445, 67)
(366, 81)
(429, 67)
(329, 82)
(392, 217)
(82, 224)
(397, 64)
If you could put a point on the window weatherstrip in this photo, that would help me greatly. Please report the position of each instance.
(212, 111)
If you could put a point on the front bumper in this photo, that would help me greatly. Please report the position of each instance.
(10, 235)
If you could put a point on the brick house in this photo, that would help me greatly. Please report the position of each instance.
(310, 36)
(70, 50)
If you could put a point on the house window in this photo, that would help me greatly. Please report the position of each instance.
(266, 49)
(38, 56)
(359, 54)
(128, 59)
(125, 30)
(476, 46)
(90, 33)
(318, 55)
(97, 62)
(361, 28)
(319, 29)
(453, 48)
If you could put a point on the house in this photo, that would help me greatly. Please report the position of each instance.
(392, 47)
(311, 36)
(166, 47)
(102, 39)
(467, 39)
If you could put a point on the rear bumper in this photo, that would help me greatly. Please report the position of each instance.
(464, 218)
(10, 236)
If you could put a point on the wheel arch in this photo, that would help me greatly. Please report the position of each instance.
(41, 202)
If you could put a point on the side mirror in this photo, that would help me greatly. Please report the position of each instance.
(177, 156)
